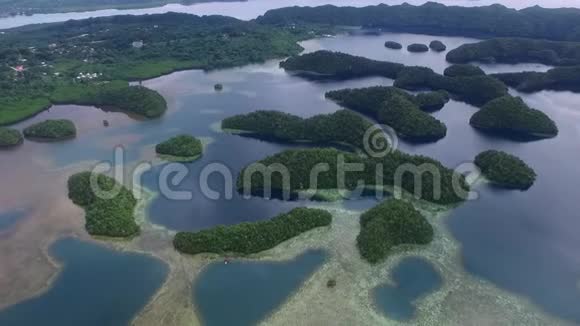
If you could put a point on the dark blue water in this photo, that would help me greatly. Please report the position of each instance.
(10, 218)
(97, 286)
(414, 278)
(245, 292)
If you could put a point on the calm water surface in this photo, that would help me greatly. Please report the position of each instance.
(414, 277)
(222, 292)
(97, 286)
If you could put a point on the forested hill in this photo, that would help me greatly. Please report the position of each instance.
(434, 18)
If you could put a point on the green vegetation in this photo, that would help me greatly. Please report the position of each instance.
(437, 46)
(463, 70)
(29, 7)
(335, 65)
(395, 168)
(51, 130)
(560, 78)
(394, 107)
(71, 61)
(112, 217)
(393, 45)
(510, 116)
(516, 50)
(432, 101)
(415, 47)
(437, 19)
(182, 148)
(10, 137)
(505, 170)
(254, 237)
(388, 225)
(409, 121)
(476, 90)
(342, 127)
(116, 95)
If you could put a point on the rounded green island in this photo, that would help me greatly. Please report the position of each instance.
(432, 101)
(393, 45)
(416, 47)
(10, 137)
(110, 213)
(410, 122)
(252, 237)
(511, 117)
(505, 170)
(463, 70)
(390, 224)
(437, 46)
(51, 130)
(218, 87)
(183, 148)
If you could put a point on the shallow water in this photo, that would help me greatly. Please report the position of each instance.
(253, 8)
(222, 292)
(97, 286)
(414, 277)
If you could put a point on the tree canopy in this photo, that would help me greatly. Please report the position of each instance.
(182, 147)
(105, 216)
(390, 224)
(51, 130)
(437, 19)
(10, 137)
(511, 117)
(252, 237)
(505, 170)
(517, 50)
(434, 181)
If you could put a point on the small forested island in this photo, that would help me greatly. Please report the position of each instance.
(409, 121)
(180, 148)
(511, 117)
(218, 87)
(396, 108)
(116, 95)
(390, 224)
(50, 62)
(336, 65)
(437, 46)
(438, 19)
(560, 78)
(10, 137)
(252, 237)
(341, 127)
(416, 47)
(393, 45)
(105, 216)
(432, 101)
(517, 50)
(51, 130)
(391, 167)
(369, 100)
(475, 90)
(463, 70)
(505, 170)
